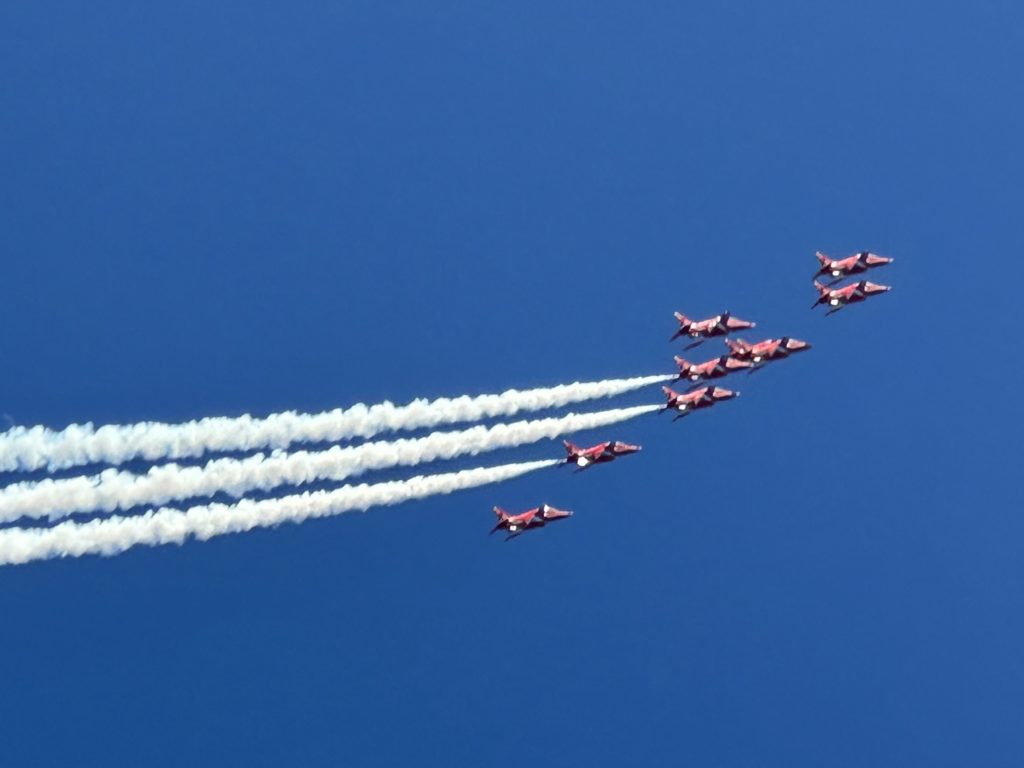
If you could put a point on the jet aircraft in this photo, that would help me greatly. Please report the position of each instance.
(764, 351)
(538, 517)
(851, 265)
(701, 330)
(705, 397)
(837, 298)
(712, 369)
(597, 454)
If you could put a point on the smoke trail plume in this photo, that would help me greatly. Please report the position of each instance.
(114, 535)
(30, 448)
(113, 490)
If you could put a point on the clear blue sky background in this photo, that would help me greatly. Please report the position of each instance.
(215, 208)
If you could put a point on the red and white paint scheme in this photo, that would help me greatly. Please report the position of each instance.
(767, 350)
(538, 517)
(597, 454)
(712, 369)
(705, 397)
(837, 298)
(851, 265)
(719, 325)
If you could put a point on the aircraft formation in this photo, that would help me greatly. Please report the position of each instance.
(838, 298)
(741, 356)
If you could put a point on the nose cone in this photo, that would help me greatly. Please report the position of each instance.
(874, 259)
(721, 393)
(796, 345)
(550, 513)
(872, 288)
(627, 448)
(736, 324)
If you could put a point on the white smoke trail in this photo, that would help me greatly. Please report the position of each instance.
(31, 448)
(113, 489)
(113, 535)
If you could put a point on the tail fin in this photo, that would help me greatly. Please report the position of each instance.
(502, 517)
(825, 260)
(737, 346)
(571, 448)
(684, 365)
(684, 325)
(823, 294)
(668, 392)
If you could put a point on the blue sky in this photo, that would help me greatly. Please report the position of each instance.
(220, 208)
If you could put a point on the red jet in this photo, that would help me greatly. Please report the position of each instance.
(838, 298)
(765, 351)
(598, 454)
(712, 369)
(538, 517)
(851, 265)
(719, 325)
(704, 397)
